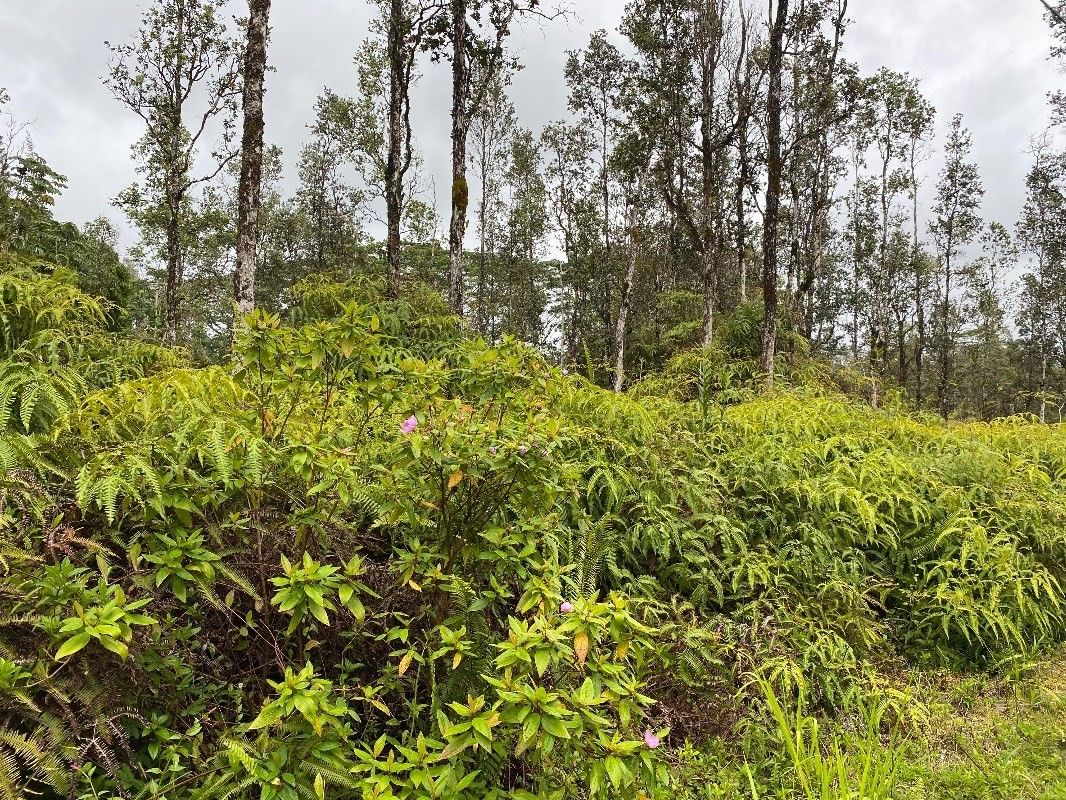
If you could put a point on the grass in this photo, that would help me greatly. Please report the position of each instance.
(959, 737)
(995, 738)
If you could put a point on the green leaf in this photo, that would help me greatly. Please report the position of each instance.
(73, 645)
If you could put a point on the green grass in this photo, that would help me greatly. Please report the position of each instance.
(1000, 739)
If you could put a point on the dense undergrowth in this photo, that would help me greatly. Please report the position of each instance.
(377, 558)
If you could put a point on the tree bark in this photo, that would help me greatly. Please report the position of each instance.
(627, 292)
(773, 193)
(743, 180)
(945, 327)
(919, 300)
(460, 126)
(249, 190)
(395, 167)
(174, 265)
(175, 187)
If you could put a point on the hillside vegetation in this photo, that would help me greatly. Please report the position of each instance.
(374, 557)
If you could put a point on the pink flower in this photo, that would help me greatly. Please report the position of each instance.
(566, 372)
(566, 607)
(523, 449)
(543, 453)
(409, 424)
(492, 451)
(650, 739)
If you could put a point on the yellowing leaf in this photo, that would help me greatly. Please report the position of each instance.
(623, 648)
(455, 478)
(581, 647)
(405, 662)
(456, 659)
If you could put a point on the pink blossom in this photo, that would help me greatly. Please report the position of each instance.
(492, 451)
(523, 450)
(566, 372)
(409, 424)
(543, 453)
(566, 607)
(650, 739)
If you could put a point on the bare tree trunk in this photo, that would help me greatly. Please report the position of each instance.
(175, 190)
(394, 166)
(773, 193)
(627, 291)
(174, 265)
(919, 300)
(742, 226)
(248, 200)
(460, 126)
(946, 344)
(708, 254)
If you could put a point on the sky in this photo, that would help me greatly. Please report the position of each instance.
(986, 59)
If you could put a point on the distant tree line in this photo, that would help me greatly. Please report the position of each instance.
(723, 162)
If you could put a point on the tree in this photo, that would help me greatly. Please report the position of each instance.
(476, 61)
(406, 27)
(772, 206)
(819, 93)
(569, 161)
(955, 224)
(1042, 234)
(898, 117)
(984, 306)
(595, 77)
(493, 129)
(255, 63)
(918, 149)
(329, 203)
(182, 57)
(634, 162)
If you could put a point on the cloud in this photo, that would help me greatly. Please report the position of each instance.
(984, 58)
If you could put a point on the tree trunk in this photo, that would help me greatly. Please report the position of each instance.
(627, 291)
(248, 201)
(175, 188)
(394, 163)
(773, 193)
(742, 226)
(460, 126)
(919, 300)
(945, 353)
(174, 266)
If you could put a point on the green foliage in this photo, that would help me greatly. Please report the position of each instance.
(377, 558)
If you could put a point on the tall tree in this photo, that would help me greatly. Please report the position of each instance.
(595, 77)
(408, 25)
(251, 181)
(897, 116)
(918, 150)
(955, 224)
(1042, 234)
(492, 129)
(772, 207)
(819, 94)
(182, 57)
(476, 61)
(634, 162)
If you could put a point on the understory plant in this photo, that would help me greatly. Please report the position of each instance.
(375, 557)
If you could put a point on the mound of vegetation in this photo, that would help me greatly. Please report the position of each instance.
(374, 557)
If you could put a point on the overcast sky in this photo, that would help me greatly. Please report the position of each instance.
(984, 58)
